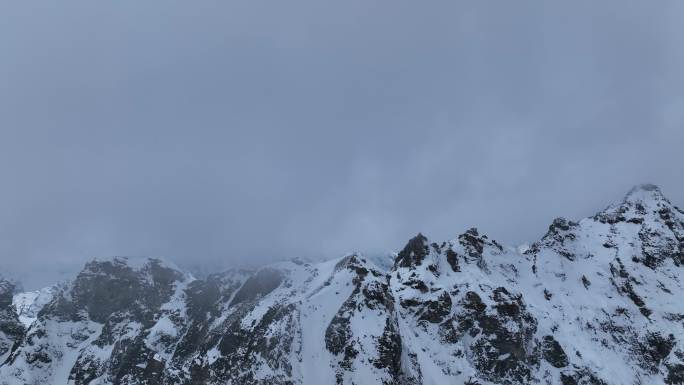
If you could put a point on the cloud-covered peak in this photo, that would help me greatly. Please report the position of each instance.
(644, 193)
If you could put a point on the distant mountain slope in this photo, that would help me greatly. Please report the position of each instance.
(597, 301)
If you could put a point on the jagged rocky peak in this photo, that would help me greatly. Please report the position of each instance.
(414, 252)
(150, 271)
(118, 265)
(658, 223)
(6, 292)
(474, 244)
(356, 263)
(118, 284)
(471, 247)
(561, 224)
(559, 237)
(643, 202)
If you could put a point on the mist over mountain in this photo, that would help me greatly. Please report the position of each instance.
(242, 133)
(359, 192)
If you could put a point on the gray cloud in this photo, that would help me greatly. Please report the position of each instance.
(242, 132)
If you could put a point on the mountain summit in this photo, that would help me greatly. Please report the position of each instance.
(593, 302)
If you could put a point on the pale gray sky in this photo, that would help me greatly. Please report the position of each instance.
(238, 131)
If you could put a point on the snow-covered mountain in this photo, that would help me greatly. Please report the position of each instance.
(599, 301)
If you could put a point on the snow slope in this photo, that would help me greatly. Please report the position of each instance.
(28, 304)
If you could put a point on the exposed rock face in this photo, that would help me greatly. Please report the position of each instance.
(414, 252)
(553, 353)
(11, 330)
(596, 301)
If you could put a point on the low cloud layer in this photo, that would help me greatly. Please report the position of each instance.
(222, 133)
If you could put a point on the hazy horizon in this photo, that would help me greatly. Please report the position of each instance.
(201, 268)
(249, 132)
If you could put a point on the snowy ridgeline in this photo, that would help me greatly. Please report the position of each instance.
(593, 302)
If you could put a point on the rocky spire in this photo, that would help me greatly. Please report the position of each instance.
(414, 252)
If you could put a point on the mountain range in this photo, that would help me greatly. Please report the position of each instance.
(599, 301)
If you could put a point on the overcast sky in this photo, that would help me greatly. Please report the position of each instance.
(232, 132)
